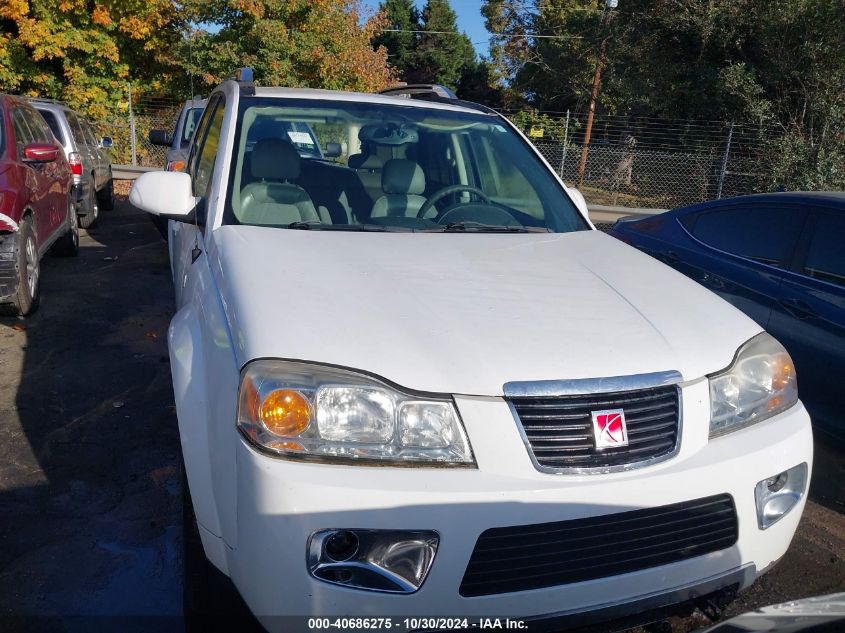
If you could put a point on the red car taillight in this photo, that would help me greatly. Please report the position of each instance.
(75, 162)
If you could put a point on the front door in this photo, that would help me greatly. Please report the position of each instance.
(187, 238)
(37, 180)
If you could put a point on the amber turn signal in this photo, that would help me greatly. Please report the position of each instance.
(784, 374)
(285, 412)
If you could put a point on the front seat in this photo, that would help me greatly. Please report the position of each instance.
(402, 182)
(271, 198)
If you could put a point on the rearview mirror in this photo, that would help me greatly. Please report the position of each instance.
(165, 193)
(106, 142)
(40, 153)
(160, 137)
(332, 150)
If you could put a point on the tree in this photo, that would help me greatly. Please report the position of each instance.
(66, 49)
(478, 83)
(780, 62)
(443, 53)
(307, 43)
(85, 52)
(402, 16)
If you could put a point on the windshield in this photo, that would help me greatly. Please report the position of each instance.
(192, 117)
(388, 167)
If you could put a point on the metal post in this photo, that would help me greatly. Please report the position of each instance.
(132, 128)
(565, 141)
(725, 161)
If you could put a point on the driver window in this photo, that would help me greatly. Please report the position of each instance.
(207, 151)
(23, 136)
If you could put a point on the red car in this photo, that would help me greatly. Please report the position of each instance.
(36, 203)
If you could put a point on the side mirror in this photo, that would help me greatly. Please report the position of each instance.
(165, 193)
(332, 150)
(106, 142)
(40, 153)
(160, 137)
(578, 199)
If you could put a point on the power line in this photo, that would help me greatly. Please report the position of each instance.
(536, 35)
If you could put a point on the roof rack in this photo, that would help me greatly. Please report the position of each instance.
(435, 93)
(46, 100)
(246, 80)
(419, 91)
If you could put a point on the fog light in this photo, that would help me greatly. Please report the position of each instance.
(341, 546)
(395, 561)
(777, 495)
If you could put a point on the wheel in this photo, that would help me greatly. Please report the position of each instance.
(25, 299)
(105, 196)
(89, 219)
(68, 244)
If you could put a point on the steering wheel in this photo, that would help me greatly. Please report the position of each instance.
(446, 191)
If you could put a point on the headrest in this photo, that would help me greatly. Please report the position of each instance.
(402, 177)
(275, 159)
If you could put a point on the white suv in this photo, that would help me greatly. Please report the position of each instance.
(449, 395)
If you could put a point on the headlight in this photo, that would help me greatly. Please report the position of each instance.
(759, 384)
(298, 410)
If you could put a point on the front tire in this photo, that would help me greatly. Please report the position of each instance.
(68, 244)
(28, 269)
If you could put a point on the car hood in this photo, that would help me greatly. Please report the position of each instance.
(466, 313)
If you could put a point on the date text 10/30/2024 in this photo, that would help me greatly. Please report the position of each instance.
(412, 624)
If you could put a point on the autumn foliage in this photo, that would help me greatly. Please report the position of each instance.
(86, 52)
(305, 43)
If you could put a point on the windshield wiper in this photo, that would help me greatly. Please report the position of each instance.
(303, 224)
(480, 227)
(316, 224)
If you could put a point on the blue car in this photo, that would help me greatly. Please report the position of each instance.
(778, 257)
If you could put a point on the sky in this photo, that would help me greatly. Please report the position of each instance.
(470, 20)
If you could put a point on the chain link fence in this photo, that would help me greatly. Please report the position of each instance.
(655, 164)
(130, 130)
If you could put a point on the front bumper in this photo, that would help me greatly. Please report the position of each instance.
(281, 503)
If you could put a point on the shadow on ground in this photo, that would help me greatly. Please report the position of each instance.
(90, 496)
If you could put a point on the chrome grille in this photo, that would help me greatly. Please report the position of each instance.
(559, 429)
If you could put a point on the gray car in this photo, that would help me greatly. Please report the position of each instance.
(88, 158)
(179, 141)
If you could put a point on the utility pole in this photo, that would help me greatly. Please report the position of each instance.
(585, 148)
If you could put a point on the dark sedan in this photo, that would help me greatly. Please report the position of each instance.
(778, 257)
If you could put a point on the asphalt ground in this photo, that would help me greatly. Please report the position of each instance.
(91, 534)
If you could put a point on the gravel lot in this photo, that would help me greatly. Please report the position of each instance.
(90, 498)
